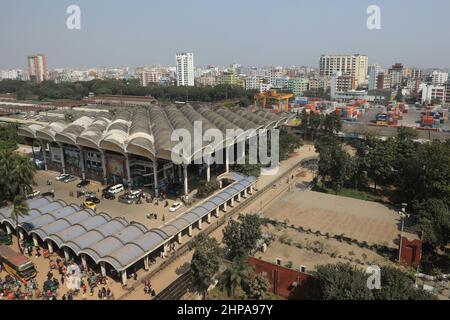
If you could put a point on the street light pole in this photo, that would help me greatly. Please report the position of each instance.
(401, 237)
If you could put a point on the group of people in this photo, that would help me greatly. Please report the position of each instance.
(148, 289)
(15, 289)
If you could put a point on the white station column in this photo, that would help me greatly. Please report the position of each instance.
(66, 254)
(83, 260)
(146, 264)
(155, 176)
(227, 159)
(82, 165)
(103, 268)
(105, 179)
(185, 180)
(127, 165)
(63, 160)
(44, 148)
(35, 240)
(124, 277)
(50, 246)
(208, 172)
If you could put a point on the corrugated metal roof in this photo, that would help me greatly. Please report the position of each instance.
(114, 241)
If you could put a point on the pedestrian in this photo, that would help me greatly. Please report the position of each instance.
(62, 279)
(100, 295)
(135, 276)
(63, 297)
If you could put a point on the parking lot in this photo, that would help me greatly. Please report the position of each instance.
(132, 212)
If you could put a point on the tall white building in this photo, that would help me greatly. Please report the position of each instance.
(355, 65)
(439, 78)
(185, 69)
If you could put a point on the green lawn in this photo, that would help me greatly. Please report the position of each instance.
(350, 193)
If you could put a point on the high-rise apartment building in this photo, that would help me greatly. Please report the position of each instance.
(147, 77)
(396, 72)
(355, 65)
(37, 68)
(185, 69)
(438, 77)
(383, 81)
(447, 92)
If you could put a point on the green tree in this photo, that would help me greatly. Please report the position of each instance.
(380, 159)
(234, 277)
(241, 237)
(68, 116)
(335, 165)
(205, 262)
(397, 285)
(16, 174)
(342, 282)
(432, 218)
(20, 209)
(256, 287)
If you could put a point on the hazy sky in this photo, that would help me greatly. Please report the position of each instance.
(220, 32)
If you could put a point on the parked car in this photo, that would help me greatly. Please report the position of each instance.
(70, 178)
(62, 176)
(33, 194)
(116, 189)
(105, 190)
(88, 194)
(175, 206)
(93, 199)
(89, 205)
(109, 196)
(83, 183)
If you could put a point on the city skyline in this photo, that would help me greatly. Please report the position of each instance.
(282, 41)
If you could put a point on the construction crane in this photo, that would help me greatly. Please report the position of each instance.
(273, 94)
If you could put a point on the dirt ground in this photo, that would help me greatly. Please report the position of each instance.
(363, 220)
(341, 251)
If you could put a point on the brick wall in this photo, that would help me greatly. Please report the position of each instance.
(411, 252)
(281, 280)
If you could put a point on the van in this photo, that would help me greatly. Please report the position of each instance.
(116, 189)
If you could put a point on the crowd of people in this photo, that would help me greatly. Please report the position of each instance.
(60, 271)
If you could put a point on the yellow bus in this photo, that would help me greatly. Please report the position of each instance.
(16, 264)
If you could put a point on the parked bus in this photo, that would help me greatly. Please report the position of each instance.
(16, 264)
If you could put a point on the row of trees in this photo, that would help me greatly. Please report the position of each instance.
(314, 125)
(238, 280)
(414, 173)
(346, 282)
(79, 90)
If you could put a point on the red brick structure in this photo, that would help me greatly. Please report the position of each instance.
(285, 282)
(411, 252)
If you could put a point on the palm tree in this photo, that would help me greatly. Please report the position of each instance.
(23, 175)
(234, 277)
(20, 209)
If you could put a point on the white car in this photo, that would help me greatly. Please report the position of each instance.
(62, 176)
(175, 206)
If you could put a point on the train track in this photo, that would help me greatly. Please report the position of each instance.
(184, 248)
(177, 289)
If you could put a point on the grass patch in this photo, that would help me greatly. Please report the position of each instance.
(350, 193)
